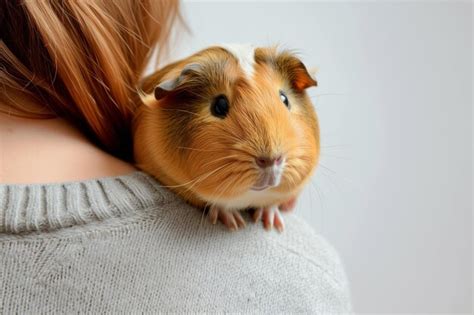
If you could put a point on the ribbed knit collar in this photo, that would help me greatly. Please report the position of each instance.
(39, 207)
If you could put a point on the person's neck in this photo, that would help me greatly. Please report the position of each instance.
(51, 150)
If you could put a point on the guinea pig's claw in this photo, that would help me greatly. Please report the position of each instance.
(257, 215)
(233, 220)
(213, 214)
(239, 219)
(271, 217)
(279, 223)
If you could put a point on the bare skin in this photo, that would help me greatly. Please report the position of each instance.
(51, 150)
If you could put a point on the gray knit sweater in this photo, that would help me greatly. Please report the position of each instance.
(124, 244)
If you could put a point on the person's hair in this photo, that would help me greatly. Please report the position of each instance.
(81, 60)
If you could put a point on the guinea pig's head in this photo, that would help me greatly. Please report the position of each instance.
(237, 119)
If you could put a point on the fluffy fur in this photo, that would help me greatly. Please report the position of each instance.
(211, 161)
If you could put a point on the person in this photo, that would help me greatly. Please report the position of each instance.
(81, 229)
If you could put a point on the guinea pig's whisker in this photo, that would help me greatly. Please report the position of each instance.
(319, 192)
(207, 175)
(194, 149)
(231, 183)
(327, 168)
(230, 135)
(244, 152)
(331, 178)
(205, 212)
(224, 189)
(197, 178)
(204, 215)
(290, 177)
(181, 185)
(243, 177)
(219, 190)
(337, 175)
(295, 174)
(242, 162)
(180, 110)
(219, 159)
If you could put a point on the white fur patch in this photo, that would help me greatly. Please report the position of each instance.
(250, 198)
(245, 54)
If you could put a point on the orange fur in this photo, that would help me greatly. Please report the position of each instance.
(209, 160)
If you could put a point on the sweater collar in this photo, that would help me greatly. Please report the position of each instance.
(40, 207)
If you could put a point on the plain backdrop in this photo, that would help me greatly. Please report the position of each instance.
(393, 193)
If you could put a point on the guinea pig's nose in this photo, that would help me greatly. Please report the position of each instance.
(265, 161)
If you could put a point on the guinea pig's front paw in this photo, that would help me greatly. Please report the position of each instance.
(232, 219)
(271, 217)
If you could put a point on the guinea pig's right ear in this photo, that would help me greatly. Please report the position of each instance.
(170, 85)
(295, 71)
(300, 77)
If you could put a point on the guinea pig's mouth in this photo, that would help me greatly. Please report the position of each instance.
(268, 178)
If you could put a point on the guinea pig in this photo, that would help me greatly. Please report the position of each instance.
(230, 128)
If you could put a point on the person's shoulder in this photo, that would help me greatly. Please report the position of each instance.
(296, 270)
(316, 263)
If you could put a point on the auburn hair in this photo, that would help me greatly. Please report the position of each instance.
(81, 60)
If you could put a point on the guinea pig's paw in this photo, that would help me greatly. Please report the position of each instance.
(271, 217)
(232, 219)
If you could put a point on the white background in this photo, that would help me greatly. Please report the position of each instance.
(394, 190)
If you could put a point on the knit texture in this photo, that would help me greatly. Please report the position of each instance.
(125, 244)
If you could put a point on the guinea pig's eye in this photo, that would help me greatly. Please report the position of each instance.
(220, 106)
(284, 99)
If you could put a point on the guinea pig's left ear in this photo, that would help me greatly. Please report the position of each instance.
(299, 77)
(167, 86)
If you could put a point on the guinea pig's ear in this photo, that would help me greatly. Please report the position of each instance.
(299, 77)
(167, 86)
